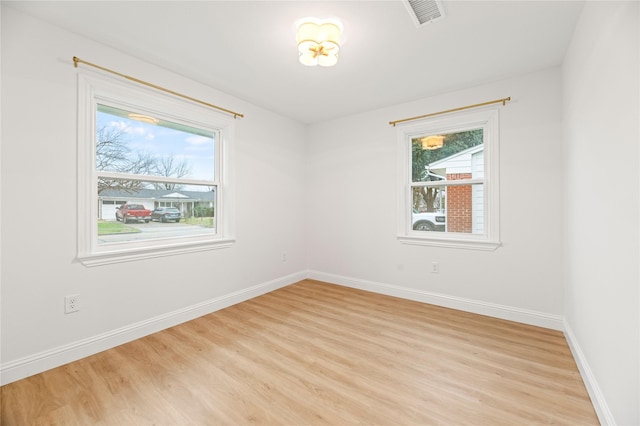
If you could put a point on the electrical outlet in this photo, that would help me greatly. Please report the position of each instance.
(71, 303)
(284, 256)
(435, 267)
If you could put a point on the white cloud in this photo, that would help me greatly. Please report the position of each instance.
(197, 140)
(119, 125)
(132, 130)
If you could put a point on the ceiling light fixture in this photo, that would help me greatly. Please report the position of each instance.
(318, 41)
(432, 142)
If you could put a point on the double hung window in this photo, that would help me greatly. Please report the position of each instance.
(153, 174)
(449, 181)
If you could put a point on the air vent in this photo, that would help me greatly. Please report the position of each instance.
(424, 11)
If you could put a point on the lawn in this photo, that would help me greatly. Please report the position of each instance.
(205, 222)
(109, 228)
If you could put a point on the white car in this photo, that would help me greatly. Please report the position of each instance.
(429, 221)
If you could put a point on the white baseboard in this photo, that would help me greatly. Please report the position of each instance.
(46, 360)
(37, 363)
(540, 319)
(524, 316)
(597, 398)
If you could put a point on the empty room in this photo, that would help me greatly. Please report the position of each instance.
(406, 212)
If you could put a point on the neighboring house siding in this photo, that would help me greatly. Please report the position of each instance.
(465, 204)
(477, 193)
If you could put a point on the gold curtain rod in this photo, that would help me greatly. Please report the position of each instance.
(77, 60)
(503, 101)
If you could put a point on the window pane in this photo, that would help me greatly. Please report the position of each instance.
(129, 142)
(446, 157)
(154, 211)
(455, 208)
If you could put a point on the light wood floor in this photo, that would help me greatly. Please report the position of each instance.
(315, 353)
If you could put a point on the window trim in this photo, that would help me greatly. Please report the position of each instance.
(486, 118)
(94, 88)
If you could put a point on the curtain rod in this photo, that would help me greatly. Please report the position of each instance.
(77, 60)
(503, 101)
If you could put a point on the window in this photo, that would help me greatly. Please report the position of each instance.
(449, 181)
(139, 150)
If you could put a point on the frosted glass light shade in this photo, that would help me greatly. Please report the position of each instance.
(328, 61)
(318, 41)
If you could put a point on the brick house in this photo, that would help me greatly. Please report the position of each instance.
(464, 204)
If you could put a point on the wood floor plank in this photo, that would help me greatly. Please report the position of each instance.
(314, 354)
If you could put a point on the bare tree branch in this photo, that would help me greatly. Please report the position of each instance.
(114, 155)
(170, 167)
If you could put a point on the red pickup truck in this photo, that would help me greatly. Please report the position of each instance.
(133, 212)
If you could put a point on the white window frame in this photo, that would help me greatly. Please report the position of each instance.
(93, 89)
(485, 118)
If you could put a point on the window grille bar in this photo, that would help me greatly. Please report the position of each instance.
(77, 60)
(442, 183)
(154, 179)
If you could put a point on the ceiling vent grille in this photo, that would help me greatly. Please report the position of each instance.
(424, 11)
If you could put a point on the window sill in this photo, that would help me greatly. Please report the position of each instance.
(119, 256)
(463, 243)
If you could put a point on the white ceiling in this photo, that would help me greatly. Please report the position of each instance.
(248, 49)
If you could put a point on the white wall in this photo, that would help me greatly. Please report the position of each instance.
(328, 193)
(352, 201)
(39, 198)
(601, 118)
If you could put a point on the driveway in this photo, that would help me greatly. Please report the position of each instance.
(156, 230)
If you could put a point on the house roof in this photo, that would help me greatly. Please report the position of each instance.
(160, 194)
(469, 151)
(460, 162)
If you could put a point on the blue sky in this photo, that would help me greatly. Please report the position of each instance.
(162, 141)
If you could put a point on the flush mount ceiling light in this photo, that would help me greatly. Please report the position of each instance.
(318, 41)
(432, 142)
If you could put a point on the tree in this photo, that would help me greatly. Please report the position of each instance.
(114, 155)
(421, 159)
(170, 167)
(111, 152)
